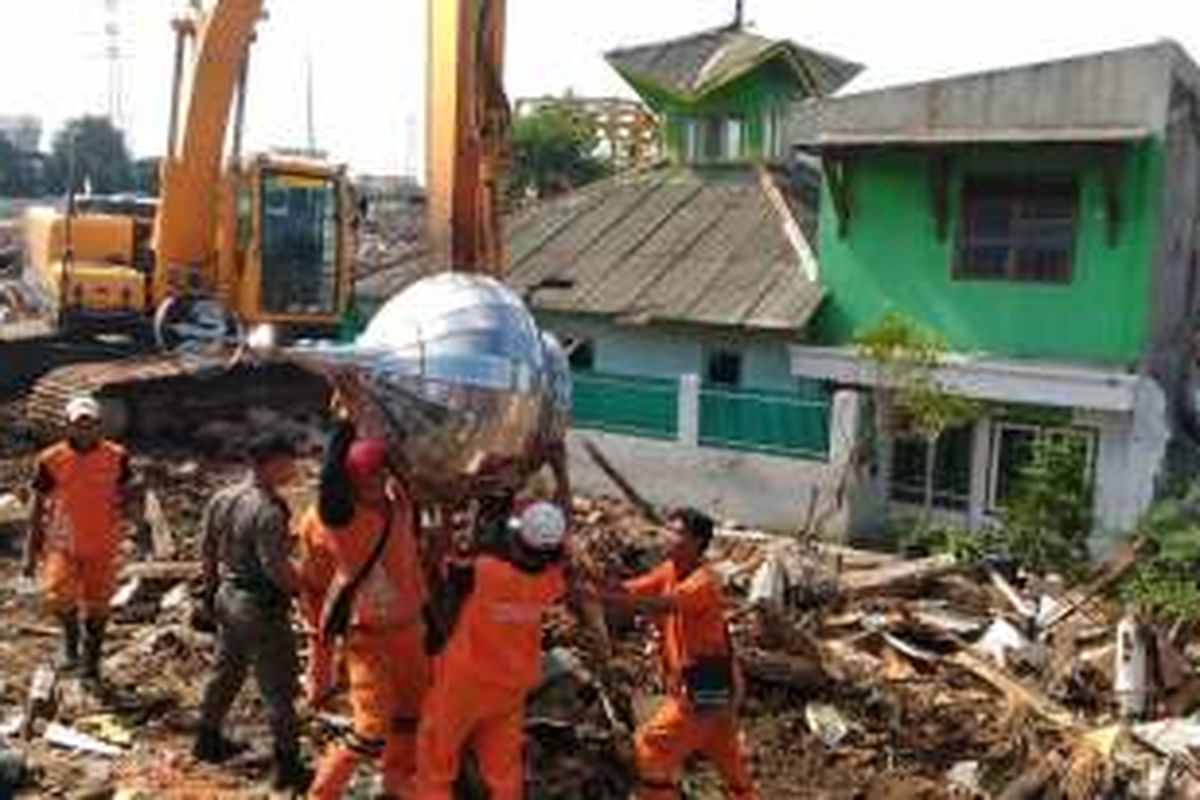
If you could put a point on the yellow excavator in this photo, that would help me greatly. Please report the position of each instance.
(236, 242)
(261, 239)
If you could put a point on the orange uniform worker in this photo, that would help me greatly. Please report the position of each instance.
(380, 585)
(699, 717)
(80, 487)
(490, 662)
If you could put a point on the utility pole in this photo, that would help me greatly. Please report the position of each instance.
(309, 113)
(114, 56)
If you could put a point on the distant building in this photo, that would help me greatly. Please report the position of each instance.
(723, 95)
(626, 130)
(24, 132)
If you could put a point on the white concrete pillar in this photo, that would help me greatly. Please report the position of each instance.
(981, 465)
(845, 415)
(688, 428)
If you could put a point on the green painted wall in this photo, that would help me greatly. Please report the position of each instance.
(891, 259)
(772, 85)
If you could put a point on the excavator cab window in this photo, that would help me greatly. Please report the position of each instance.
(299, 244)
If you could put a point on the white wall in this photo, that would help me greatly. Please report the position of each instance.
(669, 351)
(758, 491)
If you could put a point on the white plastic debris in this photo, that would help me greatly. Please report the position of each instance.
(162, 537)
(1129, 669)
(827, 723)
(12, 510)
(126, 593)
(999, 640)
(964, 774)
(71, 739)
(1176, 736)
(768, 587)
(179, 596)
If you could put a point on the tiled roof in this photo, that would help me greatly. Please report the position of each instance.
(694, 65)
(701, 246)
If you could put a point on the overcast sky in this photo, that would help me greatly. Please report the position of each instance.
(368, 55)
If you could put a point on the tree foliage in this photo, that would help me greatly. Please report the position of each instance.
(1163, 584)
(909, 397)
(553, 151)
(1048, 517)
(93, 150)
(145, 173)
(20, 172)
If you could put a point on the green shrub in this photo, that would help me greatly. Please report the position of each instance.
(1163, 584)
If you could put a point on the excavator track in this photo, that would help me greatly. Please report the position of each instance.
(168, 397)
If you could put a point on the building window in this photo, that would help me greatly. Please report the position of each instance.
(691, 140)
(1013, 449)
(734, 139)
(1017, 230)
(581, 353)
(713, 139)
(723, 368)
(951, 470)
(772, 138)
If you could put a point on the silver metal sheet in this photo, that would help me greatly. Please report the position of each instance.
(454, 372)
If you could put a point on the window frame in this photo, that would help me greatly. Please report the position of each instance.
(943, 500)
(1090, 437)
(1020, 191)
(712, 353)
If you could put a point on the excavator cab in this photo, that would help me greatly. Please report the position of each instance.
(292, 260)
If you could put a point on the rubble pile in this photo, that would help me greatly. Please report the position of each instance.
(391, 235)
(866, 674)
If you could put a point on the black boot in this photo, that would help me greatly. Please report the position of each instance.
(93, 648)
(68, 655)
(213, 748)
(291, 774)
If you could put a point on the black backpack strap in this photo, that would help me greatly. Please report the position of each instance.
(335, 618)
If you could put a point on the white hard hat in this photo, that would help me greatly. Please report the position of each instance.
(83, 407)
(542, 526)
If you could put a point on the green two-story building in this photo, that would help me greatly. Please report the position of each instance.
(1042, 221)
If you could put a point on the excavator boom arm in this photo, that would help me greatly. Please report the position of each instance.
(467, 121)
(191, 172)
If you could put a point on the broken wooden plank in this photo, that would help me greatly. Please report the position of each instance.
(1013, 688)
(162, 535)
(1106, 575)
(894, 575)
(1031, 784)
(781, 669)
(631, 494)
(1024, 608)
(167, 571)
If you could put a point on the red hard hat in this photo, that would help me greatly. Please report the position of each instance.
(365, 458)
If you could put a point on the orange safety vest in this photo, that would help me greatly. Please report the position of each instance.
(497, 639)
(697, 629)
(84, 498)
(394, 592)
